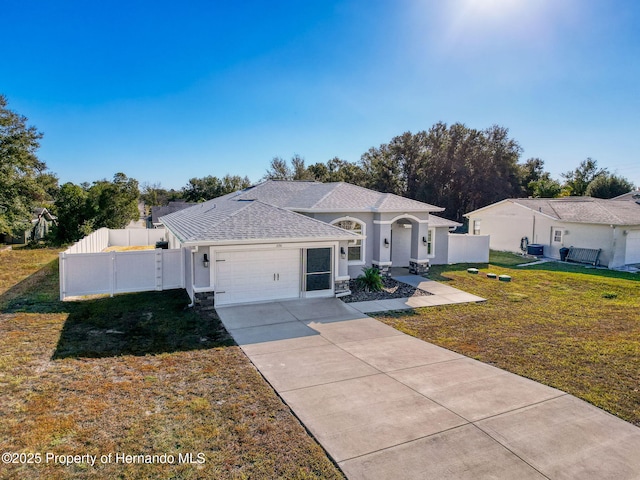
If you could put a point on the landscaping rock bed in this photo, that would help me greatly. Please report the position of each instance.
(390, 289)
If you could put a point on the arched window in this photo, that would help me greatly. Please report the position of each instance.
(355, 248)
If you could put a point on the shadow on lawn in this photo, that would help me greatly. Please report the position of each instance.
(128, 324)
(138, 324)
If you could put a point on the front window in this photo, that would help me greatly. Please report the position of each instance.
(354, 253)
(476, 227)
(430, 242)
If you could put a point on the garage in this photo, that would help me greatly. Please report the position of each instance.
(256, 276)
(632, 252)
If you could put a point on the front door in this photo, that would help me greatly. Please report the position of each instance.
(400, 244)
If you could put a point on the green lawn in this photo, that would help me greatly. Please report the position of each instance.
(567, 326)
(135, 374)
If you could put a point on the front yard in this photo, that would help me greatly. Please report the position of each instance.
(139, 374)
(566, 326)
(133, 375)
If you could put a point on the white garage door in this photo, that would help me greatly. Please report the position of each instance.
(632, 254)
(257, 276)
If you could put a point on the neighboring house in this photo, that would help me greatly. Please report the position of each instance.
(583, 222)
(157, 212)
(631, 196)
(282, 239)
(41, 223)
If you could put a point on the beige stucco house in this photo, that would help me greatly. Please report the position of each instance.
(613, 226)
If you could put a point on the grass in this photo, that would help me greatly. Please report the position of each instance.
(134, 374)
(566, 326)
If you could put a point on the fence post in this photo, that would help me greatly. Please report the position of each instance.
(159, 259)
(114, 273)
(61, 259)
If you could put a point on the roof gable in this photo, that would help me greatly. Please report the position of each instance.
(579, 209)
(336, 196)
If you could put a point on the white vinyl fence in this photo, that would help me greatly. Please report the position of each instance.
(102, 238)
(468, 248)
(86, 270)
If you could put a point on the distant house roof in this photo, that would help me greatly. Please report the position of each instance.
(157, 212)
(41, 212)
(221, 220)
(336, 196)
(633, 196)
(580, 209)
(435, 221)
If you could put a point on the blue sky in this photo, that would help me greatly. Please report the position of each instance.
(165, 91)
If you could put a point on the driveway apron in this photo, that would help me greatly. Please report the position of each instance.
(386, 405)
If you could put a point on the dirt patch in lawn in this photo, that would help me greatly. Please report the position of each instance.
(131, 248)
(390, 289)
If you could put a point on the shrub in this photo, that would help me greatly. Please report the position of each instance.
(370, 279)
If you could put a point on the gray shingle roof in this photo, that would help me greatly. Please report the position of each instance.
(337, 196)
(157, 212)
(435, 221)
(585, 209)
(631, 196)
(222, 219)
(268, 211)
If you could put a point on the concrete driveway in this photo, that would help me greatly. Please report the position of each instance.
(386, 405)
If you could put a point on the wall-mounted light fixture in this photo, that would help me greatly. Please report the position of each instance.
(343, 254)
(205, 261)
(386, 243)
(424, 240)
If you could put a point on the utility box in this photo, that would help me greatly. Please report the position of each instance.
(535, 249)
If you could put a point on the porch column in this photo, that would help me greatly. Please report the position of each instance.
(381, 250)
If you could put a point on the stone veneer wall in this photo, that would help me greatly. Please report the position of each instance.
(204, 300)
(385, 270)
(341, 286)
(418, 268)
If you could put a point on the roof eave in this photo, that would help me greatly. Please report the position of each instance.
(365, 210)
(259, 241)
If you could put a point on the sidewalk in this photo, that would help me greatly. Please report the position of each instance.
(441, 294)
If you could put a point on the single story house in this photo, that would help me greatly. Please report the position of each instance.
(153, 221)
(631, 196)
(613, 226)
(42, 220)
(291, 239)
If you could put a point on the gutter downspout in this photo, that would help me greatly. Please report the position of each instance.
(533, 236)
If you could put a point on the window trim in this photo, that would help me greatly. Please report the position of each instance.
(363, 232)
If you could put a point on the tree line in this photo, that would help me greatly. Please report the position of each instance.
(455, 167)
(452, 166)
